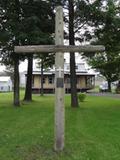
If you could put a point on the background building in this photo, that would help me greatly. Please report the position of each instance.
(85, 80)
(5, 84)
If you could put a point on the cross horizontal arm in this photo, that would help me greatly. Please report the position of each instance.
(58, 48)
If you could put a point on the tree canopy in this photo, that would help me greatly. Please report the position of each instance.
(25, 22)
(108, 34)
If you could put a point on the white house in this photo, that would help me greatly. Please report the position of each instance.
(5, 84)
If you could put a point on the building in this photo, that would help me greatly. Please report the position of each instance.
(85, 80)
(5, 84)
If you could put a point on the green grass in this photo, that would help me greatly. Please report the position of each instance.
(92, 131)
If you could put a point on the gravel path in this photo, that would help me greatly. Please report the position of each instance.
(112, 95)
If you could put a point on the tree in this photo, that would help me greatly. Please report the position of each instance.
(44, 62)
(73, 80)
(108, 34)
(10, 32)
(28, 90)
(79, 15)
(69, 5)
(38, 26)
(22, 24)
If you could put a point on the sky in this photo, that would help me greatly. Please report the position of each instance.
(23, 65)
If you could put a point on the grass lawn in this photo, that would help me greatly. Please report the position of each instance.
(92, 131)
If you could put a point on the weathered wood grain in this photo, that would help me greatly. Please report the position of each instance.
(59, 83)
(58, 48)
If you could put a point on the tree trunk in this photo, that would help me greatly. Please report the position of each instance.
(42, 90)
(16, 83)
(28, 90)
(16, 63)
(73, 80)
(109, 86)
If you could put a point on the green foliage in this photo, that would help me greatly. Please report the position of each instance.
(108, 34)
(81, 97)
(24, 23)
(46, 59)
(117, 90)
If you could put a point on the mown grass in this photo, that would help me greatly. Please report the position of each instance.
(92, 130)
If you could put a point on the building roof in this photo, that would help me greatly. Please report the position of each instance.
(66, 73)
(88, 74)
(4, 78)
(45, 73)
(80, 70)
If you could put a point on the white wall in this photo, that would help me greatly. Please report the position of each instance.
(6, 86)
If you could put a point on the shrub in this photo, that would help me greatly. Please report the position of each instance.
(81, 97)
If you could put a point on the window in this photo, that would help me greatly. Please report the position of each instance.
(2, 88)
(43, 79)
(33, 81)
(78, 80)
(68, 67)
(50, 80)
(76, 67)
(67, 80)
(89, 81)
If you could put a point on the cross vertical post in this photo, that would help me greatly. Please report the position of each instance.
(59, 82)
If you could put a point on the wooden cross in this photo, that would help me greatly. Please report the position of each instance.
(59, 48)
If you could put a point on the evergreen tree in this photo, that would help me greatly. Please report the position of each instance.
(9, 37)
(24, 22)
(79, 15)
(38, 26)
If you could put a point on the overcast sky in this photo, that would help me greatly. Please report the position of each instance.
(23, 65)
